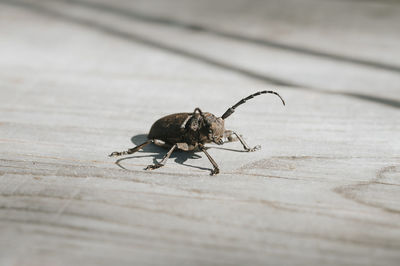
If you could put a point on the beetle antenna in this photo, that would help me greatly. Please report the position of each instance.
(242, 101)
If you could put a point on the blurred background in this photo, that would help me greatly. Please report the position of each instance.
(82, 78)
(345, 47)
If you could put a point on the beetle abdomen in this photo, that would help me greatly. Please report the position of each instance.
(168, 128)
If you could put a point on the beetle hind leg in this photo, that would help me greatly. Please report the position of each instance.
(233, 136)
(130, 151)
(163, 161)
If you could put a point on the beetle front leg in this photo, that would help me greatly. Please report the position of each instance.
(229, 134)
(215, 165)
(130, 151)
(163, 161)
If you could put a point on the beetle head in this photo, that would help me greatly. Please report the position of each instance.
(215, 128)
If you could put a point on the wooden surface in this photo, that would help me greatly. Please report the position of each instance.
(80, 79)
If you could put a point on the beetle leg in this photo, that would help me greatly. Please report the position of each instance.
(216, 169)
(229, 136)
(163, 161)
(130, 151)
(186, 121)
(197, 109)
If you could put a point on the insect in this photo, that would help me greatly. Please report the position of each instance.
(191, 131)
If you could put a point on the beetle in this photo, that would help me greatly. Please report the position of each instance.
(191, 131)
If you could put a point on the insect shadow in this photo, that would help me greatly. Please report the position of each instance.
(158, 153)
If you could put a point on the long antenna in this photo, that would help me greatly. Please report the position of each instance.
(242, 101)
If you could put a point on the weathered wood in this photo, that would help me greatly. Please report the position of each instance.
(80, 79)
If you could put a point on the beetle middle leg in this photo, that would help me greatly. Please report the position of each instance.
(215, 165)
(233, 136)
(130, 151)
(163, 161)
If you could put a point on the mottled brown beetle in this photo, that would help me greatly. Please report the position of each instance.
(190, 131)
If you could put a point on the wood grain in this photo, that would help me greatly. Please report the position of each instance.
(80, 79)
